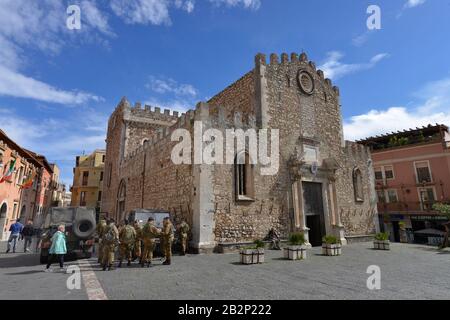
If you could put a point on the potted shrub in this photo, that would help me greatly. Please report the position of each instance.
(331, 246)
(296, 249)
(253, 254)
(381, 241)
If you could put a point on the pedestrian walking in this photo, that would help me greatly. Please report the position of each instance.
(149, 234)
(167, 239)
(27, 234)
(58, 249)
(138, 242)
(110, 241)
(101, 229)
(127, 239)
(183, 232)
(38, 233)
(16, 230)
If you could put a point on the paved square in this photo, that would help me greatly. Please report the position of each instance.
(407, 272)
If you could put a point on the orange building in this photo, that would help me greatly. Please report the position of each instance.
(412, 172)
(10, 189)
(33, 201)
(37, 199)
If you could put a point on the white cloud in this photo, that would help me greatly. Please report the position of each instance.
(18, 85)
(409, 5)
(95, 18)
(154, 12)
(432, 108)
(167, 85)
(335, 69)
(187, 5)
(248, 4)
(413, 3)
(31, 25)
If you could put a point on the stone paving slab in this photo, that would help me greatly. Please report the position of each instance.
(22, 277)
(407, 272)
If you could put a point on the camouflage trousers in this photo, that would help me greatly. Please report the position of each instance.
(183, 240)
(137, 248)
(149, 247)
(126, 251)
(100, 251)
(108, 254)
(167, 248)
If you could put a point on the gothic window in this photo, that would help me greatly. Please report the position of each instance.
(358, 185)
(244, 177)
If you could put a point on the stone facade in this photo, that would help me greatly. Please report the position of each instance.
(289, 95)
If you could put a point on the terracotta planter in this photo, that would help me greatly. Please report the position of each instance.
(251, 256)
(295, 252)
(331, 249)
(381, 244)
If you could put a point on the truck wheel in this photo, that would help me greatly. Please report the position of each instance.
(43, 258)
(84, 224)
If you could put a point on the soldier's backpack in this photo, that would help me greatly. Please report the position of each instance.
(109, 235)
(128, 236)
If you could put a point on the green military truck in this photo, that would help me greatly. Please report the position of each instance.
(80, 226)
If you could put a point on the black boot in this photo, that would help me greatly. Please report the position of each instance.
(129, 263)
(120, 264)
(104, 267)
(149, 264)
(110, 267)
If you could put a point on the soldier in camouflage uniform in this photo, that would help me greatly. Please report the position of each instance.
(100, 230)
(149, 233)
(183, 231)
(127, 238)
(167, 239)
(110, 241)
(138, 242)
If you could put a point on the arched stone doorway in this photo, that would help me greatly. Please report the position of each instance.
(121, 198)
(3, 212)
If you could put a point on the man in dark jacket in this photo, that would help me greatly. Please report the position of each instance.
(27, 234)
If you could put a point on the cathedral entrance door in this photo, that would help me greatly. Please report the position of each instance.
(315, 220)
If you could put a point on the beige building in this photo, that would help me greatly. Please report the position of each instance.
(324, 185)
(88, 180)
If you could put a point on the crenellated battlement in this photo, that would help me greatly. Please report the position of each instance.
(162, 136)
(261, 60)
(153, 112)
(356, 150)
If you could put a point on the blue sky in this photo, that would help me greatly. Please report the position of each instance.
(58, 86)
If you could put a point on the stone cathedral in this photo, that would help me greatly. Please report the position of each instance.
(324, 184)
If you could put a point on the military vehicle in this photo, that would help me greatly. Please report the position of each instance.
(80, 229)
(142, 215)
